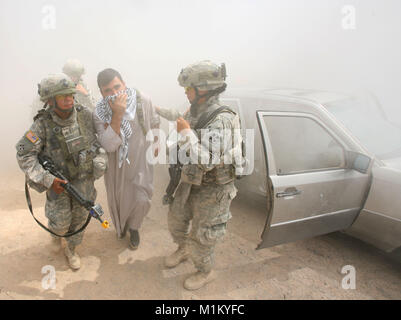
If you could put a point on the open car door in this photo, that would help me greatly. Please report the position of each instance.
(314, 184)
(381, 212)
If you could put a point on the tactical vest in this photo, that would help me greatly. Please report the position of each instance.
(71, 148)
(222, 173)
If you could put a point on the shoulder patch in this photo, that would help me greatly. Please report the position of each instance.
(31, 136)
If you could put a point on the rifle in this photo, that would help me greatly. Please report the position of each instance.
(95, 210)
(175, 175)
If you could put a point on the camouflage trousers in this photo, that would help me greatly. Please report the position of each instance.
(66, 214)
(208, 208)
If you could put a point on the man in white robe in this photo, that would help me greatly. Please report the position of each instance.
(122, 119)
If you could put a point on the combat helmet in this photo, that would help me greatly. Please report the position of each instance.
(55, 84)
(74, 68)
(204, 75)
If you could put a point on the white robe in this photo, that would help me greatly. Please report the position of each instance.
(129, 188)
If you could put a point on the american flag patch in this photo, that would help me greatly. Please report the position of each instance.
(32, 137)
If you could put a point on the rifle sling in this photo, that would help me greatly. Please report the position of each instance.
(206, 117)
(68, 234)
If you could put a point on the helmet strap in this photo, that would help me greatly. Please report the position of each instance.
(207, 95)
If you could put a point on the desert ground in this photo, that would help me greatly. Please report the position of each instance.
(308, 269)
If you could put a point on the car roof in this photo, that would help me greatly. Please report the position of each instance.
(321, 97)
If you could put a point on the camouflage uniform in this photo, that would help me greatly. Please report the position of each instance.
(85, 100)
(75, 70)
(55, 137)
(206, 190)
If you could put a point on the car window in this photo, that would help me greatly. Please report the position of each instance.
(300, 144)
(377, 134)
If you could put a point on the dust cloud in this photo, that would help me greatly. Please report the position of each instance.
(321, 44)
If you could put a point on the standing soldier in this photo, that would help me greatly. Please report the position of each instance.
(75, 70)
(206, 189)
(64, 132)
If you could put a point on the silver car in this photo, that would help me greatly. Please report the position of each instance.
(325, 161)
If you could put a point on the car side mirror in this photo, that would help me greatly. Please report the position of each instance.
(358, 161)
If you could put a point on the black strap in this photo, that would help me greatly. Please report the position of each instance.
(68, 234)
(206, 117)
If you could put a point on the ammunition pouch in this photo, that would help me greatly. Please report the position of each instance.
(220, 175)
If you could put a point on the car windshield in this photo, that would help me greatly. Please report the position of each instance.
(367, 123)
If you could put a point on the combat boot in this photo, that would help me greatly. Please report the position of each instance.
(199, 279)
(177, 257)
(73, 258)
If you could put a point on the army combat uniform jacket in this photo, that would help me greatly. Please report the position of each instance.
(85, 100)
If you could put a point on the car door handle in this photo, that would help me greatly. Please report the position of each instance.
(288, 193)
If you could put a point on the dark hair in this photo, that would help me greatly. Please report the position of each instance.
(104, 77)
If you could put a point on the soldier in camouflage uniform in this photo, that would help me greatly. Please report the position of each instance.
(75, 70)
(206, 190)
(64, 132)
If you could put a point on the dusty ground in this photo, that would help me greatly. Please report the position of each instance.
(309, 269)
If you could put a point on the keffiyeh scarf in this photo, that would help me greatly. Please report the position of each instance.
(104, 112)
